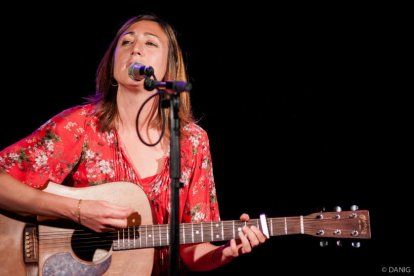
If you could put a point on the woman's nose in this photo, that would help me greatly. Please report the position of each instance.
(136, 50)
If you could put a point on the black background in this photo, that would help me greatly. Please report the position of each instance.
(305, 106)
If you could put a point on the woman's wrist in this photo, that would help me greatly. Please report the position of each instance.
(72, 209)
(219, 256)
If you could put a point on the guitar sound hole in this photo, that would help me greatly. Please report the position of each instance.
(91, 246)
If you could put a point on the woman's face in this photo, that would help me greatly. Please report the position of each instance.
(144, 42)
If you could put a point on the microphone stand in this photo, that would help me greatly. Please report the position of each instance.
(173, 89)
(175, 172)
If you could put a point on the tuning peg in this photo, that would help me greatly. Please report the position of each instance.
(320, 209)
(354, 207)
(323, 243)
(339, 243)
(338, 209)
(356, 244)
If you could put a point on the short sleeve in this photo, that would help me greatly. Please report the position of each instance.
(49, 153)
(201, 203)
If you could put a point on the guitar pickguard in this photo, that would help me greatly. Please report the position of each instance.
(65, 264)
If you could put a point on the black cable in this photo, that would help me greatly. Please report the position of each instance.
(162, 118)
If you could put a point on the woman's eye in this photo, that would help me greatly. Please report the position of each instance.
(150, 43)
(126, 42)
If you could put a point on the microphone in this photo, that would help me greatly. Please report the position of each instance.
(138, 71)
(171, 87)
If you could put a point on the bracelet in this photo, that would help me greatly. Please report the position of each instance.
(78, 211)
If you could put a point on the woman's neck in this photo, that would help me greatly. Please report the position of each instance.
(129, 103)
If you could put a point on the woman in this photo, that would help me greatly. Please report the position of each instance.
(97, 143)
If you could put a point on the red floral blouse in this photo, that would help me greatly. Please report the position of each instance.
(69, 149)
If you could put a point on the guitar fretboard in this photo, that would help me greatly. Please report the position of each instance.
(159, 235)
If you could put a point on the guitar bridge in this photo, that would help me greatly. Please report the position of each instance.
(30, 244)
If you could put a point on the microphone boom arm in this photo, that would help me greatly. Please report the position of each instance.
(171, 87)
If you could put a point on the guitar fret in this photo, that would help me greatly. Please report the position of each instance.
(123, 239)
(217, 236)
(153, 240)
(135, 246)
(183, 233)
(159, 232)
(286, 227)
(192, 232)
(139, 237)
(202, 232)
(134, 237)
(146, 236)
(118, 238)
(211, 230)
(198, 229)
(168, 235)
(125, 233)
(234, 233)
(129, 239)
(222, 231)
(271, 227)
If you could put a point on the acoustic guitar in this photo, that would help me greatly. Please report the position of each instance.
(61, 247)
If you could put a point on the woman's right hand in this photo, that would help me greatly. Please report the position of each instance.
(97, 215)
(101, 216)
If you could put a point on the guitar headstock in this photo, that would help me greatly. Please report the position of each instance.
(340, 224)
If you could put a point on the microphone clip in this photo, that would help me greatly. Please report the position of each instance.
(170, 87)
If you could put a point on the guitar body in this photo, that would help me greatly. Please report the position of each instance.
(11, 245)
(56, 255)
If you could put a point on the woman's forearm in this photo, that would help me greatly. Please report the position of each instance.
(20, 198)
(203, 256)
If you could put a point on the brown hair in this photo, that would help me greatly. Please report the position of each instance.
(105, 96)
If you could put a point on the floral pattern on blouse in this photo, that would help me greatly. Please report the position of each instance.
(69, 149)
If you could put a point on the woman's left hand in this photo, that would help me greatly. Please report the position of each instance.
(249, 237)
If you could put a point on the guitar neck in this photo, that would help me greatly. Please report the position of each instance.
(159, 235)
(348, 224)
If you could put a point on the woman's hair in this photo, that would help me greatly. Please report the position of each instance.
(105, 96)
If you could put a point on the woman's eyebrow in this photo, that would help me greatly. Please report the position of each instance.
(146, 34)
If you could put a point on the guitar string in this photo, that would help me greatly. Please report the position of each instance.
(86, 245)
(206, 226)
(125, 244)
(88, 239)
